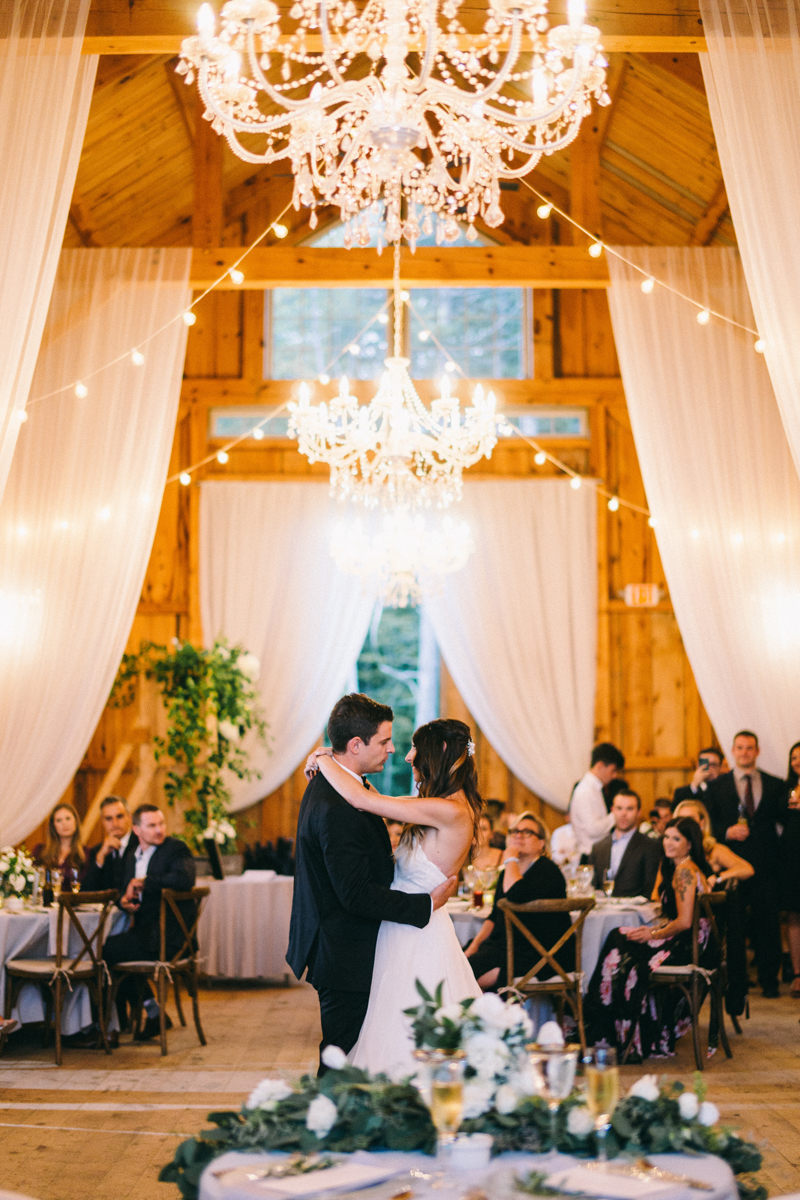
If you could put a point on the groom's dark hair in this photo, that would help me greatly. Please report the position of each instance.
(354, 716)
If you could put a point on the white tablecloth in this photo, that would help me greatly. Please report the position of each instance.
(244, 929)
(497, 1179)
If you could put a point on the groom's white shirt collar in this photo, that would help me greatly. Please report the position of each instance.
(349, 772)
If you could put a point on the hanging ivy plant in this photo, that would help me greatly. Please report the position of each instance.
(211, 704)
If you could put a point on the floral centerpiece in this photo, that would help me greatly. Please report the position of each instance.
(17, 873)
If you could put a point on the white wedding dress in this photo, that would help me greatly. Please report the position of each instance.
(404, 954)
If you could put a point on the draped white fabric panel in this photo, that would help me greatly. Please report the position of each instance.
(79, 513)
(518, 627)
(268, 582)
(45, 92)
(721, 483)
(752, 77)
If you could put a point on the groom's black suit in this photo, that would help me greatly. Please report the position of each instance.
(343, 872)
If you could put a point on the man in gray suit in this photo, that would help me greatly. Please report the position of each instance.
(628, 857)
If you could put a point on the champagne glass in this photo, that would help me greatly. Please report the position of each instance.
(608, 883)
(554, 1071)
(447, 1098)
(602, 1092)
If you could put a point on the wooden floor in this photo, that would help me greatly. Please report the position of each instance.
(100, 1128)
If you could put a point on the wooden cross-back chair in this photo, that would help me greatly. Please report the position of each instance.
(183, 965)
(691, 978)
(63, 970)
(564, 985)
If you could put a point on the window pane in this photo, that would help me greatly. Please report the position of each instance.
(388, 668)
(311, 327)
(482, 328)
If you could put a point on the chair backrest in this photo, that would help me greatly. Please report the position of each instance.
(582, 905)
(170, 899)
(69, 903)
(704, 905)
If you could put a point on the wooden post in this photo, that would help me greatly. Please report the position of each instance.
(207, 208)
(106, 788)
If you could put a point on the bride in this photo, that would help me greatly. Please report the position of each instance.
(440, 826)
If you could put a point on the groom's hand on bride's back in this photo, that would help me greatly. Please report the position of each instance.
(444, 891)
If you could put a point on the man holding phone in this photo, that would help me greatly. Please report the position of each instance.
(709, 766)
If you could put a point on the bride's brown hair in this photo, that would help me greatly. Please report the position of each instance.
(445, 766)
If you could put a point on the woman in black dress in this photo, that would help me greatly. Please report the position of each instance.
(619, 997)
(528, 874)
(789, 865)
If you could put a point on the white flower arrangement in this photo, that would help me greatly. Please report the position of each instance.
(268, 1093)
(17, 872)
(219, 831)
(646, 1088)
(321, 1116)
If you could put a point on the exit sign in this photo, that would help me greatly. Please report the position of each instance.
(641, 595)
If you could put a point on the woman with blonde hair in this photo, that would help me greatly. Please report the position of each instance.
(725, 864)
(63, 851)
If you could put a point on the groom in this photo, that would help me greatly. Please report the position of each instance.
(343, 872)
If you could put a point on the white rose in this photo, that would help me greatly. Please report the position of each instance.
(18, 883)
(646, 1088)
(505, 1100)
(321, 1116)
(210, 832)
(220, 838)
(708, 1113)
(450, 1012)
(229, 731)
(227, 829)
(517, 1020)
(267, 1094)
(580, 1122)
(550, 1034)
(689, 1105)
(478, 1096)
(223, 652)
(523, 1081)
(334, 1058)
(487, 1054)
(249, 666)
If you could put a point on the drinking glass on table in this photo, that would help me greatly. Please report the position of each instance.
(602, 1091)
(554, 1071)
(608, 883)
(447, 1098)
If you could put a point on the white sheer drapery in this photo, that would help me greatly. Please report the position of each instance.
(268, 582)
(45, 92)
(752, 77)
(722, 486)
(517, 627)
(79, 514)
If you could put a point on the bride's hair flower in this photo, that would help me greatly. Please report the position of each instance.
(321, 1116)
(334, 1058)
(471, 749)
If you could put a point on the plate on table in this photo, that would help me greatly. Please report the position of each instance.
(341, 1177)
(613, 1186)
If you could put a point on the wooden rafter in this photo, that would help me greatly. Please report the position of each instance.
(708, 224)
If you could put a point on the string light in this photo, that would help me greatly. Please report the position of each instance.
(236, 275)
(21, 415)
(137, 358)
(651, 521)
(189, 318)
(648, 285)
(279, 230)
(759, 346)
(383, 318)
(540, 458)
(324, 378)
(703, 317)
(222, 457)
(695, 533)
(81, 390)
(258, 433)
(613, 504)
(185, 478)
(575, 482)
(596, 249)
(544, 211)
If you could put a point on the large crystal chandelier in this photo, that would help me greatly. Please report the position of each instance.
(394, 450)
(396, 105)
(401, 553)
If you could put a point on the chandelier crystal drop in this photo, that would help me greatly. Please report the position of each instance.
(394, 450)
(409, 108)
(404, 554)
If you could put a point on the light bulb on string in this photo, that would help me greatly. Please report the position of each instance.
(759, 346)
(648, 285)
(137, 358)
(21, 415)
(540, 458)
(258, 433)
(651, 521)
(81, 390)
(703, 317)
(222, 457)
(596, 249)
(324, 378)
(354, 348)
(423, 335)
(185, 478)
(575, 482)
(544, 211)
(405, 296)
(450, 365)
(613, 504)
(279, 230)
(236, 275)
(383, 318)
(189, 317)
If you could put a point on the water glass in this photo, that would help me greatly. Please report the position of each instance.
(602, 1091)
(554, 1072)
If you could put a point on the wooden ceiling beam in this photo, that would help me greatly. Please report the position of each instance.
(485, 266)
(708, 224)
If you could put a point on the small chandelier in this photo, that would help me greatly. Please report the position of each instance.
(404, 554)
(395, 450)
(391, 105)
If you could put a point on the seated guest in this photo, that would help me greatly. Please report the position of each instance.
(485, 855)
(660, 815)
(395, 831)
(709, 766)
(723, 862)
(627, 856)
(528, 874)
(615, 1005)
(63, 853)
(590, 818)
(157, 862)
(105, 861)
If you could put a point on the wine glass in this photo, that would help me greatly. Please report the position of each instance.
(608, 883)
(554, 1071)
(447, 1098)
(602, 1091)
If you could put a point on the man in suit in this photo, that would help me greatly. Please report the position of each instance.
(631, 858)
(746, 806)
(343, 874)
(709, 766)
(106, 859)
(158, 862)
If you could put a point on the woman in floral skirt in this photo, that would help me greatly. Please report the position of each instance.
(619, 992)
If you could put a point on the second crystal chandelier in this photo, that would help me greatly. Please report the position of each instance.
(394, 105)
